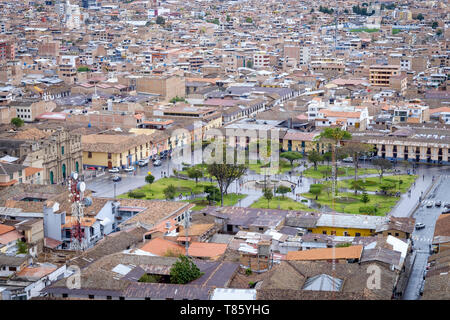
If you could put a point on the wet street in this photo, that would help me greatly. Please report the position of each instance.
(422, 238)
(103, 186)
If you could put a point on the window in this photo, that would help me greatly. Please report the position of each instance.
(357, 234)
(261, 229)
(108, 298)
(397, 234)
(91, 296)
(109, 156)
(324, 232)
(11, 176)
(89, 154)
(121, 298)
(65, 295)
(62, 150)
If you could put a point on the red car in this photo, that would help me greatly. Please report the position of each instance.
(91, 168)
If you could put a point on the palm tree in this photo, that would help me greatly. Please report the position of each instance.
(334, 136)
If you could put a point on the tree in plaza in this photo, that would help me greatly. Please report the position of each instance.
(382, 165)
(225, 174)
(268, 195)
(213, 194)
(356, 185)
(314, 157)
(334, 136)
(315, 189)
(327, 157)
(283, 190)
(195, 173)
(420, 17)
(169, 192)
(149, 179)
(17, 122)
(291, 156)
(387, 186)
(365, 197)
(184, 270)
(356, 150)
(434, 25)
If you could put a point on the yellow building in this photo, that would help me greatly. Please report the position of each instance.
(351, 225)
(303, 142)
(109, 150)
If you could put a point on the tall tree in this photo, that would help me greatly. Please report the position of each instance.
(334, 136)
(291, 156)
(315, 189)
(195, 173)
(382, 165)
(268, 195)
(314, 157)
(356, 150)
(357, 185)
(225, 174)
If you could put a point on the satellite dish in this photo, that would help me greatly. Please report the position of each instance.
(74, 175)
(87, 202)
(81, 186)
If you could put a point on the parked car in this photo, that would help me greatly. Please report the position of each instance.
(419, 226)
(365, 158)
(422, 286)
(348, 159)
(91, 168)
(129, 169)
(447, 205)
(429, 204)
(116, 178)
(157, 163)
(438, 203)
(143, 162)
(156, 158)
(114, 170)
(446, 211)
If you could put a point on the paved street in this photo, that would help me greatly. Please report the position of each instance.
(104, 186)
(423, 238)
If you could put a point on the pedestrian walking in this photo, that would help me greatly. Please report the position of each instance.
(424, 177)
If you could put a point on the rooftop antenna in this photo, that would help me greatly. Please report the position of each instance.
(186, 226)
(335, 30)
(77, 189)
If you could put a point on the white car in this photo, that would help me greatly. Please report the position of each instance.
(114, 170)
(429, 204)
(349, 159)
(129, 169)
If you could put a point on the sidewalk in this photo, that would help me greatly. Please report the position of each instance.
(408, 203)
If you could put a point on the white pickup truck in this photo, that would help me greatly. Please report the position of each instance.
(143, 162)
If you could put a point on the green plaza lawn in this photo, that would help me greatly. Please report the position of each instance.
(156, 189)
(230, 199)
(349, 203)
(285, 203)
(203, 167)
(325, 171)
(283, 166)
(373, 183)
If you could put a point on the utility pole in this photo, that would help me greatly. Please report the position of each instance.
(186, 226)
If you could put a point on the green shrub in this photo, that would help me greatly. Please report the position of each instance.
(368, 210)
(137, 194)
(248, 272)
